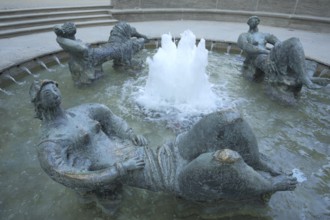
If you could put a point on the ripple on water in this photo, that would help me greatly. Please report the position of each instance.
(297, 138)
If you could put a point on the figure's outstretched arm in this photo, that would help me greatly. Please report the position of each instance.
(114, 125)
(73, 46)
(135, 33)
(248, 47)
(54, 161)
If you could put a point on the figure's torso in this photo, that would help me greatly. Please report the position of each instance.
(257, 39)
(87, 142)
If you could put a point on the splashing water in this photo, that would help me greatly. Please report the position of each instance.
(41, 63)
(25, 69)
(58, 61)
(282, 132)
(299, 175)
(14, 80)
(177, 77)
(228, 49)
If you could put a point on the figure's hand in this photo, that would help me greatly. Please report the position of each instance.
(139, 140)
(58, 30)
(134, 163)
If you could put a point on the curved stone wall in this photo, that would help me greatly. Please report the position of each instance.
(311, 15)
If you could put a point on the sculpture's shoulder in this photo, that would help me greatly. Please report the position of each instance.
(91, 111)
(76, 47)
(243, 36)
(87, 108)
(263, 35)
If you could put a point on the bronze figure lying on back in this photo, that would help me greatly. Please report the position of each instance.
(94, 152)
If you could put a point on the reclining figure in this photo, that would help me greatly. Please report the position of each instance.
(283, 67)
(94, 152)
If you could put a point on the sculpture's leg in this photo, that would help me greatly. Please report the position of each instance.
(222, 130)
(250, 70)
(290, 53)
(225, 175)
(81, 72)
(103, 54)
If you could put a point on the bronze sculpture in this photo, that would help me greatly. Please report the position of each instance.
(85, 62)
(283, 67)
(94, 152)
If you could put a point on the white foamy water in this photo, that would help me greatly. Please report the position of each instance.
(177, 77)
(299, 175)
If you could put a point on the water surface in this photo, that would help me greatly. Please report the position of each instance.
(294, 137)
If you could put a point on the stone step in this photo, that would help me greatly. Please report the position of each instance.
(18, 22)
(53, 21)
(43, 15)
(49, 27)
(12, 12)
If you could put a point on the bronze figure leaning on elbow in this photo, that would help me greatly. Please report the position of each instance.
(94, 152)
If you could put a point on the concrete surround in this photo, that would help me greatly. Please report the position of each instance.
(319, 8)
(312, 15)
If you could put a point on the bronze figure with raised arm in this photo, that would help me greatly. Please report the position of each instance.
(94, 152)
(85, 62)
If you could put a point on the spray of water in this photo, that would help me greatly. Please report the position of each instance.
(177, 77)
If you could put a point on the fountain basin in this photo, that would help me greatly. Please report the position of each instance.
(282, 135)
(296, 138)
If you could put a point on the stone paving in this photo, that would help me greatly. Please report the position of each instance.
(19, 49)
(22, 4)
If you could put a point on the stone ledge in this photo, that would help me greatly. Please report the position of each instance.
(52, 9)
(303, 22)
(49, 27)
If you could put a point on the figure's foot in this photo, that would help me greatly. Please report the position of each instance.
(284, 183)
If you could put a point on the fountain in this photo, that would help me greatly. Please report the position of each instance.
(41, 63)
(177, 78)
(283, 133)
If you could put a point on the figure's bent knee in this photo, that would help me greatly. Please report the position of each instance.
(226, 117)
(293, 41)
(226, 156)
